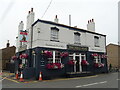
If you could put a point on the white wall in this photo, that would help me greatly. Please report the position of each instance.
(66, 36)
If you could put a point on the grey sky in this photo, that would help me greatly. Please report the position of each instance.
(104, 12)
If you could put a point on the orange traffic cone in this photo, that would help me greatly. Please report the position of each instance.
(1, 72)
(16, 74)
(21, 77)
(40, 76)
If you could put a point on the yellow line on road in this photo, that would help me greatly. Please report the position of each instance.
(71, 78)
(12, 80)
(51, 80)
(30, 81)
(21, 82)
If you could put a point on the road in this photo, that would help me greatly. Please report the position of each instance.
(109, 80)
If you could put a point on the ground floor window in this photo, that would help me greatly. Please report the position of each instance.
(55, 58)
(97, 59)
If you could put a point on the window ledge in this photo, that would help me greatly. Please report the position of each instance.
(77, 43)
(55, 40)
(97, 46)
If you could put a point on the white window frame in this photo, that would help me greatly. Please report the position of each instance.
(96, 41)
(53, 59)
(54, 35)
(97, 59)
(76, 38)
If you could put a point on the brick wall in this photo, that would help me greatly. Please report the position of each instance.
(7, 53)
(113, 52)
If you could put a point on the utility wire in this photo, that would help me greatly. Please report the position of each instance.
(46, 9)
(7, 10)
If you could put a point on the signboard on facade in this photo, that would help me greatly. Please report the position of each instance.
(23, 36)
(77, 48)
(22, 48)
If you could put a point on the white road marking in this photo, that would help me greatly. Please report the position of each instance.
(91, 84)
(2, 79)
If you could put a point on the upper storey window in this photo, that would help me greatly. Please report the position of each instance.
(54, 34)
(76, 38)
(96, 41)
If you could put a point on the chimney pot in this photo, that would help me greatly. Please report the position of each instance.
(56, 16)
(90, 20)
(28, 12)
(31, 9)
(8, 44)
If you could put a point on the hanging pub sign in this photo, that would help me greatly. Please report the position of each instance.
(23, 36)
(77, 48)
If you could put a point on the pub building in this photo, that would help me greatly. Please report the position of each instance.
(58, 50)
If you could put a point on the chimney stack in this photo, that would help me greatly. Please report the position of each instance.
(56, 19)
(91, 25)
(30, 18)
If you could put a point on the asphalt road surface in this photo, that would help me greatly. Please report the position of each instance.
(109, 80)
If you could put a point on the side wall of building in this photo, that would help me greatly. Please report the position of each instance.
(0, 59)
(113, 55)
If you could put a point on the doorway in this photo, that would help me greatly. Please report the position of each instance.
(77, 58)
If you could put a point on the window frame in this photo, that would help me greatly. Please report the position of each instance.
(96, 41)
(77, 38)
(54, 58)
(54, 34)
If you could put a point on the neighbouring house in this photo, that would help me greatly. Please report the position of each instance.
(113, 56)
(5, 56)
(0, 59)
(56, 49)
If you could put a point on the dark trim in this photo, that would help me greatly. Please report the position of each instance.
(96, 37)
(54, 28)
(97, 46)
(65, 26)
(77, 33)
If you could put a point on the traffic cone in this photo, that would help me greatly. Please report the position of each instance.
(16, 74)
(21, 77)
(40, 76)
(1, 72)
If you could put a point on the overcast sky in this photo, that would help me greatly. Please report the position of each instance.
(104, 13)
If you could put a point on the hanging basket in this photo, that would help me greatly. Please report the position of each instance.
(64, 54)
(14, 58)
(103, 56)
(54, 66)
(48, 53)
(98, 65)
(71, 62)
(23, 56)
(84, 62)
